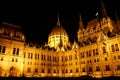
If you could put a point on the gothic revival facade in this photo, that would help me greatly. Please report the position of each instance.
(96, 53)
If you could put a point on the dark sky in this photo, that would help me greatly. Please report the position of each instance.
(37, 17)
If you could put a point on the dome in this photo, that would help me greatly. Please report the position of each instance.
(58, 30)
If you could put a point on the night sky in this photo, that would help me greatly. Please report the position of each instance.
(38, 18)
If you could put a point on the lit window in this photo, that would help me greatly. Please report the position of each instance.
(17, 51)
(83, 69)
(116, 46)
(97, 68)
(29, 70)
(107, 67)
(36, 70)
(4, 48)
(90, 69)
(118, 67)
(42, 70)
(104, 50)
(113, 49)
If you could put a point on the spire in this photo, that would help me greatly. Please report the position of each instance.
(81, 23)
(104, 12)
(58, 21)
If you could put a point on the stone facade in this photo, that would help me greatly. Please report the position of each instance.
(96, 53)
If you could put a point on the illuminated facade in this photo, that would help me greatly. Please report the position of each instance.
(96, 54)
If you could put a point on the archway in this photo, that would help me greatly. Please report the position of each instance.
(12, 72)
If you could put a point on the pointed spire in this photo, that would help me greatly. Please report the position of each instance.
(104, 12)
(81, 23)
(58, 21)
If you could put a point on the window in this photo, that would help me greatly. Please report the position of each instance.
(42, 70)
(31, 55)
(66, 71)
(117, 47)
(54, 71)
(28, 55)
(48, 70)
(107, 67)
(1, 58)
(4, 48)
(105, 59)
(76, 70)
(36, 70)
(113, 49)
(70, 70)
(90, 69)
(114, 57)
(97, 68)
(97, 52)
(38, 56)
(118, 56)
(118, 67)
(104, 50)
(42, 57)
(15, 51)
(83, 69)
(24, 54)
(35, 56)
(62, 71)
(29, 70)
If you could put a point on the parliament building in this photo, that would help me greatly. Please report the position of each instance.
(96, 52)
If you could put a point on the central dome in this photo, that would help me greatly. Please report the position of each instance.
(58, 36)
(58, 29)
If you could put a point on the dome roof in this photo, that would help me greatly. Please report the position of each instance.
(58, 29)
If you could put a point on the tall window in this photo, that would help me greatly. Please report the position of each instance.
(36, 70)
(107, 67)
(2, 49)
(97, 68)
(28, 55)
(15, 51)
(90, 69)
(70, 70)
(104, 49)
(113, 49)
(29, 70)
(118, 67)
(117, 47)
(83, 69)
(35, 56)
(76, 70)
(97, 52)
(48, 70)
(42, 70)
